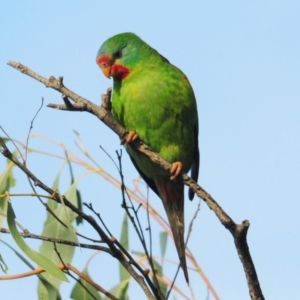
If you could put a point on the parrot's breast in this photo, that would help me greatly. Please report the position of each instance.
(159, 104)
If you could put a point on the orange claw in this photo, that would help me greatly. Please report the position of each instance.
(130, 137)
(176, 169)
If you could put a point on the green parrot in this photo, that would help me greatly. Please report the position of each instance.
(154, 101)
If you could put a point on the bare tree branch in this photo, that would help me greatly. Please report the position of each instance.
(238, 231)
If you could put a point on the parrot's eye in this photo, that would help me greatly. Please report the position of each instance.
(118, 54)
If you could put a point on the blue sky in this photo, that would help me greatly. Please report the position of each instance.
(242, 59)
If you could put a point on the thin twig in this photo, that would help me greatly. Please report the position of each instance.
(192, 222)
(27, 234)
(31, 126)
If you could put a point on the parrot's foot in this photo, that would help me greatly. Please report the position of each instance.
(176, 169)
(130, 137)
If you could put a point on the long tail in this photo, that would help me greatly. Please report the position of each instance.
(172, 196)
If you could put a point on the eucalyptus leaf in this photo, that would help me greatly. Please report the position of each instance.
(7, 181)
(3, 265)
(62, 229)
(119, 290)
(163, 239)
(39, 259)
(124, 240)
(84, 290)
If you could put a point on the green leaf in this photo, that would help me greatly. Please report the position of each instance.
(124, 240)
(71, 195)
(22, 258)
(39, 259)
(3, 265)
(119, 290)
(55, 186)
(53, 204)
(53, 228)
(163, 239)
(52, 292)
(47, 290)
(7, 181)
(79, 219)
(85, 291)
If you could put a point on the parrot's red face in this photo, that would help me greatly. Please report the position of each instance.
(111, 68)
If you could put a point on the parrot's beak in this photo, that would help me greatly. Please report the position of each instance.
(106, 68)
(105, 64)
